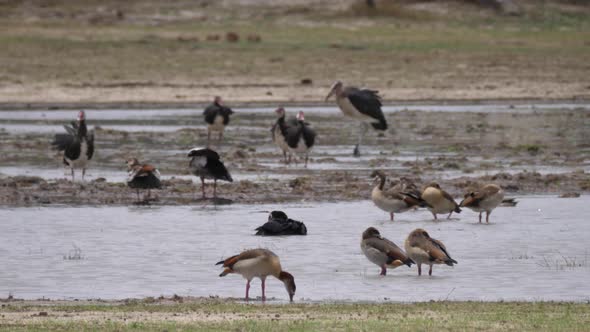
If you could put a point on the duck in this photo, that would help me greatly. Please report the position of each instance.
(77, 145)
(423, 249)
(206, 164)
(142, 176)
(485, 199)
(258, 263)
(439, 201)
(397, 199)
(363, 105)
(279, 224)
(382, 252)
(217, 117)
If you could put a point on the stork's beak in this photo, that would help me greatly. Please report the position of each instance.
(329, 94)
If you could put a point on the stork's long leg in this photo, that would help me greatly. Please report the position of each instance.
(208, 136)
(83, 173)
(215, 188)
(72, 174)
(263, 290)
(203, 186)
(362, 131)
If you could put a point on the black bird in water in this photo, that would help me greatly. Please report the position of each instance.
(279, 224)
(142, 176)
(293, 135)
(217, 117)
(364, 105)
(206, 164)
(77, 144)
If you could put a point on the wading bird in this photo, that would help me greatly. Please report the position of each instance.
(142, 176)
(206, 164)
(383, 252)
(258, 263)
(439, 201)
(423, 249)
(486, 199)
(362, 105)
(397, 199)
(217, 117)
(77, 144)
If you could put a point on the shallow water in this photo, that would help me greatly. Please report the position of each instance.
(45, 121)
(136, 252)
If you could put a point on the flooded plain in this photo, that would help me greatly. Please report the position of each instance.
(534, 251)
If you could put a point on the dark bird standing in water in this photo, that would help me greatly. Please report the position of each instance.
(77, 145)
(363, 105)
(217, 117)
(206, 164)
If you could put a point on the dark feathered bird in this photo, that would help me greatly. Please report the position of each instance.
(217, 117)
(142, 176)
(277, 133)
(206, 164)
(279, 224)
(77, 144)
(361, 104)
(293, 135)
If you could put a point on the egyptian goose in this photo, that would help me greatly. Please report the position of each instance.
(423, 249)
(206, 164)
(258, 263)
(142, 177)
(217, 117)
(383, 252)
(439, 201)
(279, 224)
(394, 200)
(360, 104)
(77, 145)
(486, 199)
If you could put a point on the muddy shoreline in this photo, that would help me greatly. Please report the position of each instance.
(538, 152)
(200, 103)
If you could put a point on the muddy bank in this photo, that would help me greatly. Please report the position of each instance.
(322, 187)
(537, 151)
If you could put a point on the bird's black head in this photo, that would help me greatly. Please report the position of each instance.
(217, 101)
(280, 215)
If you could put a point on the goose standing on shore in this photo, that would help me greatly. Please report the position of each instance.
(383, 252)
(279, 224)
(217, 117)
(439, 201)
(206, 164)
(142, 176)
(363, 105)
(423, 249)
(393, 200)
(258, 263)
(77, 144)
(486, 199)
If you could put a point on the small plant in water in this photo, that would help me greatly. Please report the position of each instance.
(563, 262)
(74, 254)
